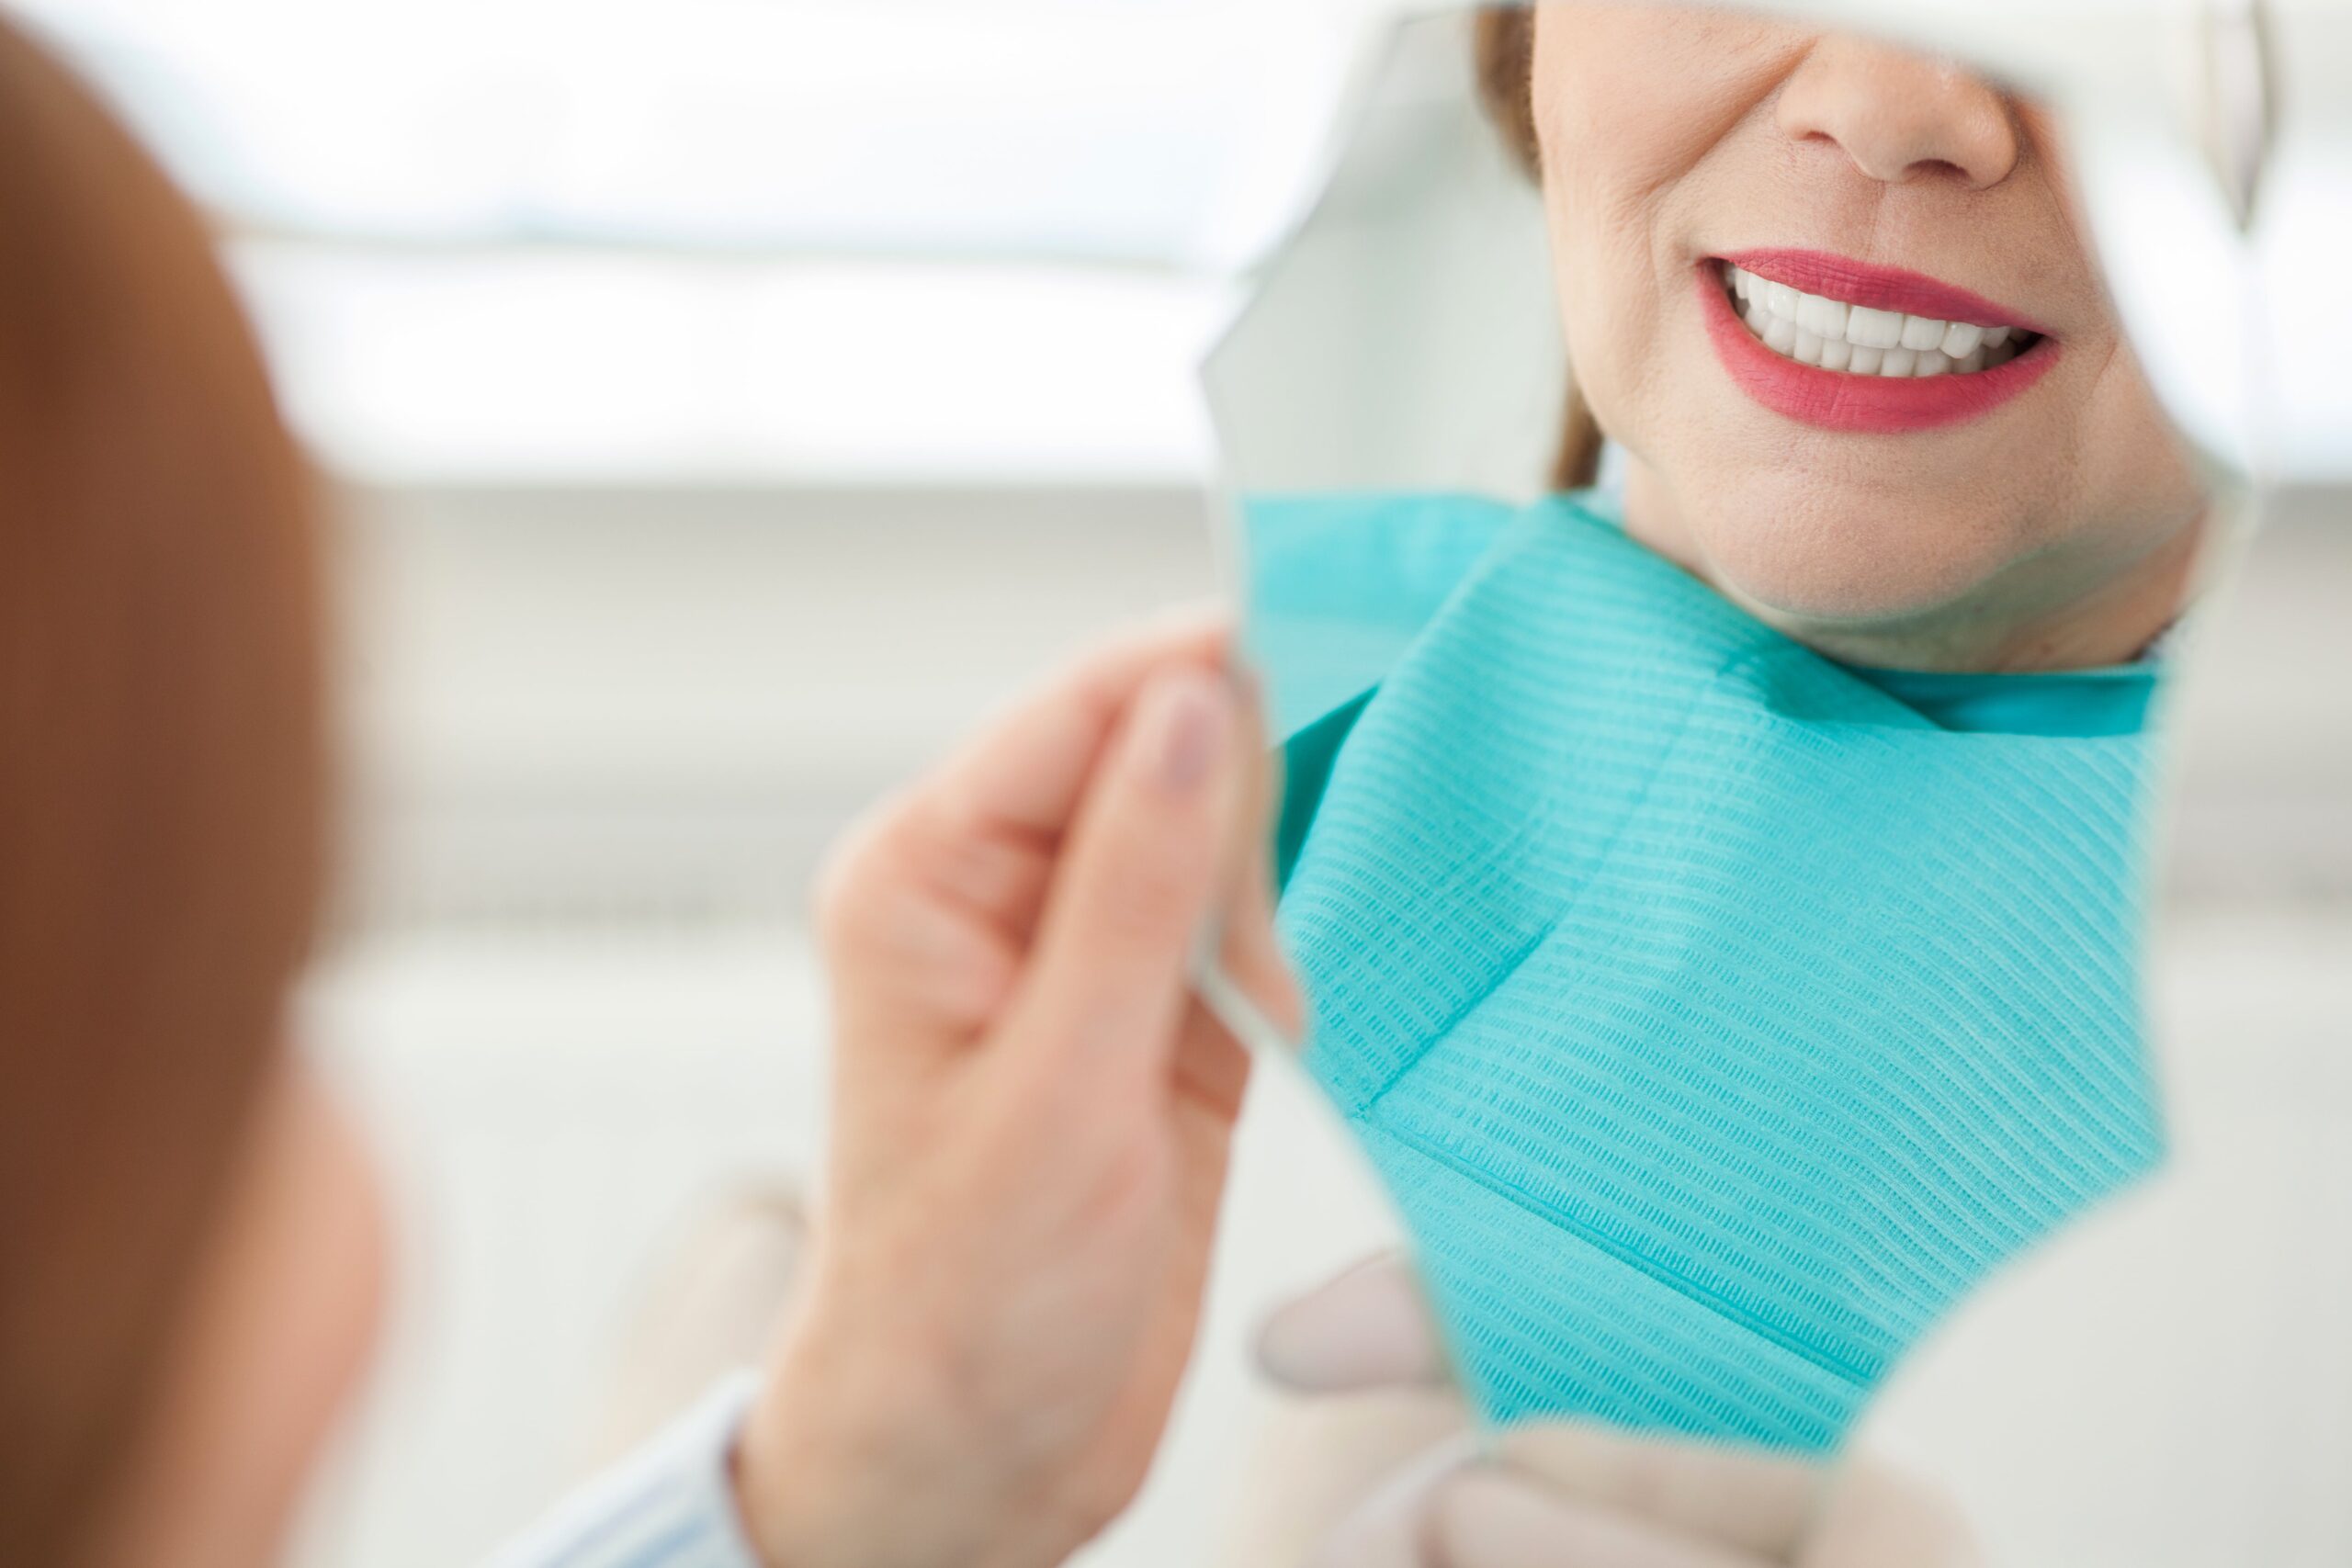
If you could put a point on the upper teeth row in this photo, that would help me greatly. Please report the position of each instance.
(1829, 333)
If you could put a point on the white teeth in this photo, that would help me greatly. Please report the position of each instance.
(1922, 332)
(1866, 328)
(1825, 317)
(1860, 341)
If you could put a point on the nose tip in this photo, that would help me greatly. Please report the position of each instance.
(1899, 117)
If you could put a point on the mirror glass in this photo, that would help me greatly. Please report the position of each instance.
(1719, 571)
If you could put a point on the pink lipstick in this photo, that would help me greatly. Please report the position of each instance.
(1845, 345)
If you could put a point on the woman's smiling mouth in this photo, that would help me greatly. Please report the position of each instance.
(1841, 344)
(1814, 328)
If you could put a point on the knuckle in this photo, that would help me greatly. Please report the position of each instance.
(1121, 1189)
(1161, 891)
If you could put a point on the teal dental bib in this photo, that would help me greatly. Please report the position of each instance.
(1718, 1015)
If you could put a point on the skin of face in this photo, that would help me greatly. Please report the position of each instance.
(280, 1329)
(2058, 530)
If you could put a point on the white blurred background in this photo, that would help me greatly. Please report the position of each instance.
(723, 403)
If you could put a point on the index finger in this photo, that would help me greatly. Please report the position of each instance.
(1016, 786)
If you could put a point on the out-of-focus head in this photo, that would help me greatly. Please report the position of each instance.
(1755, 227)
(162, 789)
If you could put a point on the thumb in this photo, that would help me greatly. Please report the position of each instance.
(1138, 877)
(1366, 1329)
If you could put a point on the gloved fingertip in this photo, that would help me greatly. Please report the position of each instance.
(1489, 1516)
(1390, 1528)
(1366, 1329)
(1478, 1519)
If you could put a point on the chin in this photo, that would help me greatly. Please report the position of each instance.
(1872, 566)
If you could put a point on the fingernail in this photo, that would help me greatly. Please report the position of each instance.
(1192, 723)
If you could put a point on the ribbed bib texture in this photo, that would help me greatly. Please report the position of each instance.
(1718, 1019)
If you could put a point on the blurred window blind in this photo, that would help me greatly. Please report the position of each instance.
(732, 239)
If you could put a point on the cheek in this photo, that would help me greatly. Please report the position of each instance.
(331, 1273)
(280, 1330)
(1630, 100)
(2135, 466)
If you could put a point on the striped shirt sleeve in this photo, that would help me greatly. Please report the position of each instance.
(671, 1505)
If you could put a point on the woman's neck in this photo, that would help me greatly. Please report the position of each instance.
(2034, 616)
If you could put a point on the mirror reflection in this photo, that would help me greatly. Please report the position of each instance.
(1717, 818)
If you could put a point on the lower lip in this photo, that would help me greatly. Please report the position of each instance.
(1870, 405)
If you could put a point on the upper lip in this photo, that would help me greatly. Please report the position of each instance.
(1878, 288)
